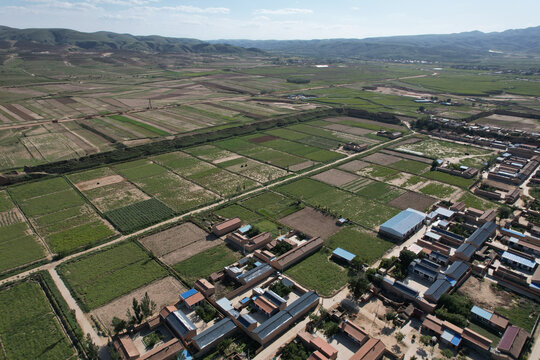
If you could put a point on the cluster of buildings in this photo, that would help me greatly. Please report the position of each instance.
(459, 242)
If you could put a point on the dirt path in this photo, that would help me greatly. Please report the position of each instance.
(83, 321)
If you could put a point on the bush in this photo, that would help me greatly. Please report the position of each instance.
(206, 311)
(447, 353)
(152, 339)
(294, 351)
(280, 289)
(298, 80)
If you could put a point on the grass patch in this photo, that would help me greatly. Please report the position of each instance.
(139, 124)
(522, 313)
(205, 263)
(410, 166)
(449, 179)
(380, 191)
(367, 247)
(438, 190)
(327, 278)
(272, 205)
(474, 201)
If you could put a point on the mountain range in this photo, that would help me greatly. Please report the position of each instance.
(448, 47)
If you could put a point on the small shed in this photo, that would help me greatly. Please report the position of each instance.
(343, 255)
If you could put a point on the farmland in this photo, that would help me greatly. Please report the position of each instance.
(205, 263)
(100, 277)
(328, 278)
(60, 214)
(18, 244)
(364, 244)
(30, 320)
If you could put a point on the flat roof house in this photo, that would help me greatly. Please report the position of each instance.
(403, 224)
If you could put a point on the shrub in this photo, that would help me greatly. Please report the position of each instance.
(205, 311)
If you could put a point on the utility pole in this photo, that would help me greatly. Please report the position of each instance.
(149, 103)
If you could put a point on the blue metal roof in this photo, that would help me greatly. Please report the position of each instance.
(188, 293)
(219, 330)
(225, 304)
(344, 254)
(432, 235)
(514, 232)
(480, 235)
(244, 300)
(403, 222)
(451, 281)
(244, 229)
(518, 259)
(445, 212)
(484, 314)
(451, 337)
(254, 273)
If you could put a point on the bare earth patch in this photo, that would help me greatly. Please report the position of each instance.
(412, 200)
(335, 177)
(407, 156)
(312, 222)
(95, 183)
(365, 121)
(163, 292)
(174, 238)
(483, 294)
(382, 159)
(302, 165)
(354, 165)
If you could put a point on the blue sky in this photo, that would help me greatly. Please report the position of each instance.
(277, 19)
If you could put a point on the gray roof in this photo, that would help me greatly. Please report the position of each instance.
(457, 270)
(276, 322)
(437, 289)
(401, 287)
(274, 298)
(180, 323)
(418, 266)
(403, 222)
(466, 249)
(246, 320)
(273, 324)
(300, 304)
(254, 273)
(479, 237)
(219, 330)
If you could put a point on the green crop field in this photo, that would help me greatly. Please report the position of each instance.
(363, 211)
(449, 179)
(438, 190)
(363, 244)
(272, 205)
(139, 215)
(327, 278)
(151, 130)
(205, 263)
(210, 153)
(380, 191)
(478, 203)
(410, 166)
(205, 174)
(250, 217)
(29, 329)
(177, 193)
(440, 149)
(60, 214)
(100, 277)
(379, 172)
(18, 244)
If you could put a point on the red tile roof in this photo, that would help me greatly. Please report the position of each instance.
(324, 347)
(265, 305)
(373, 349)
(513, 340)
(194, 299)
(353, 331)
(129, 347)
(317, 356)
(477, 339)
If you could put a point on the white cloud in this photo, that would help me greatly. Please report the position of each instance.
(192, 9)
(284, 11)
(64, 5)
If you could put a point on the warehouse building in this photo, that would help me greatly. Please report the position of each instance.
(403, 224)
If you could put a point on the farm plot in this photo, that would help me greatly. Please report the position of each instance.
(29, 329)
(438, 190)
(177, 193)
(473, 201)
(363, 211)
(261, 153)
(18, 244)
(378, 172)
(439, 149)
(449, 179)
(413, 200)
(380, 191)
(272, 205)
(60, 214)
(212, 153)
(335, 177)
(205, 174)
(381, 159)
(106, 189)
(410, 166)
(205, 263)
(179, 243)
(364, 244)
(139, 215)
(306, 151)
(312, 222)
(138, 126)
(163, 292)
(354, 165)
(100, 277)
(53, 146)
(254, 170)
(328, 278)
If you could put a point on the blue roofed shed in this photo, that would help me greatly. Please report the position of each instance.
(518, 261)
(481, 314)
(343, 254)
(244, 229)
(188, 293)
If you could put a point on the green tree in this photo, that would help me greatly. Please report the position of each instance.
(118, 324)
(91, 349)
(359, 284)
(504, 212)
(399, 336)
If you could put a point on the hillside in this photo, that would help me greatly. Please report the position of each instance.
(43, 39)
(456, 47)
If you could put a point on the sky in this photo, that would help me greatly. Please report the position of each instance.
(277, 19)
